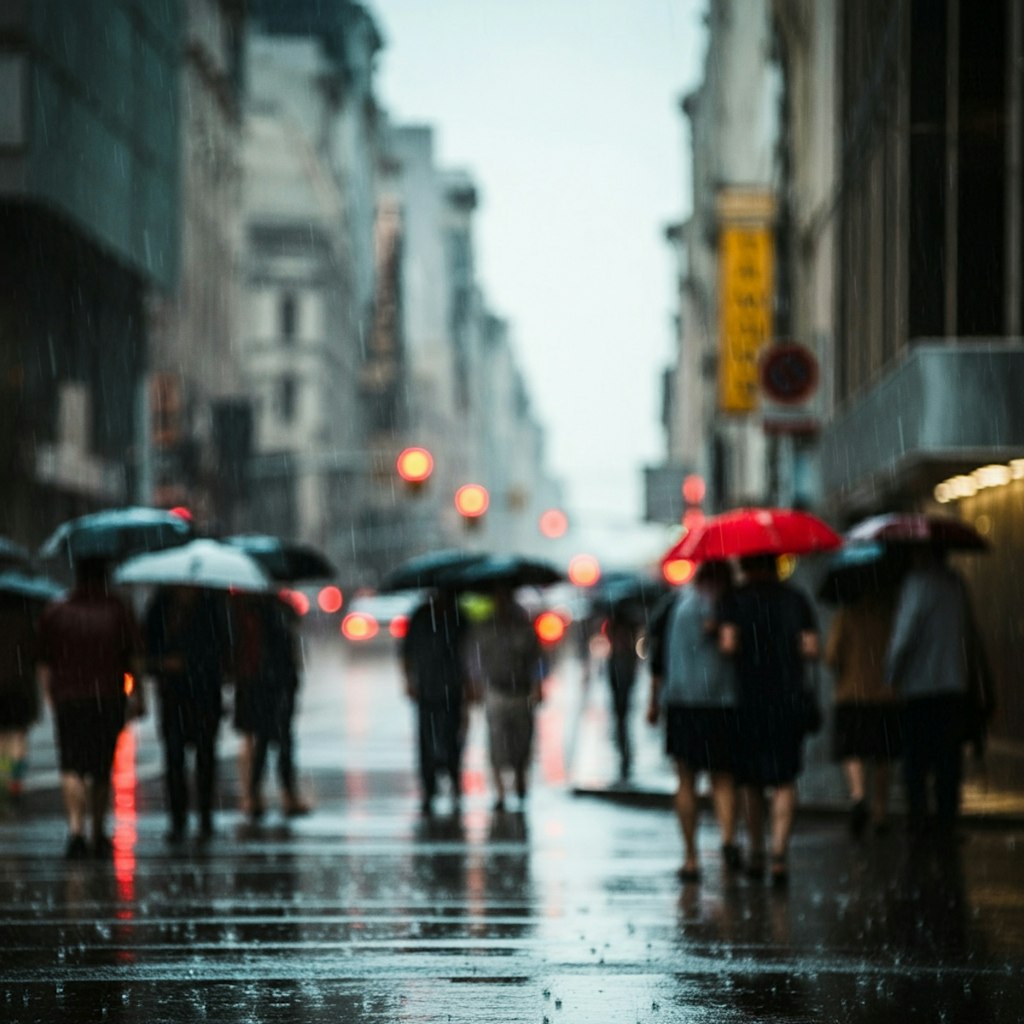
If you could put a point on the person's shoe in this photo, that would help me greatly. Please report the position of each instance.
(499, 805)
(175, 835)
(206, 830)
(755, 867)
(686, 874)
(296, 807)
(76, 848)
(427, 807)
(858, 819)
(731, 857)
(779, 871)
(102, 847)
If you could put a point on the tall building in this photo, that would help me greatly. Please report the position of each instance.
(89, 207)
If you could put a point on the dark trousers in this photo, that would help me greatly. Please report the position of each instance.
(621, 678)
(285, 744)
(184, 725)
(933, 738)
(440, 746)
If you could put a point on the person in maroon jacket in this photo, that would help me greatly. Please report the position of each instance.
(88, 643)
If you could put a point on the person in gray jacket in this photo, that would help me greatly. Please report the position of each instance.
(928, 664)
(696, 689)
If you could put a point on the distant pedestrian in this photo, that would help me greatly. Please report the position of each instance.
(867, 732)
(19, 691)
(695, 687)
(623, 632)
(88, 643)
(186, 638)
(937, 664)
(506, 663)
(265, 669)
(435, 678)
(769, 628)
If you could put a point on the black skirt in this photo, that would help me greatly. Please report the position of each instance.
(871, 732)
(87, 732)
(701, 738)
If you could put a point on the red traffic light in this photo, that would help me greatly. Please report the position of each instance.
(414, 465)
(472, 500)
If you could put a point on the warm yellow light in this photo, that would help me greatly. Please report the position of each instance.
(472, 500)
(992, 476)
(1017, 468)
(962, 486)
(678, 571)
(584, 570)
(943, 492)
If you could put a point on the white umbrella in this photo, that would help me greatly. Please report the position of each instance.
(200, 563)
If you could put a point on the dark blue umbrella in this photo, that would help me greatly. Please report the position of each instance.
(496, 571)
(38, 589)
(116, 533)
(13, 555)
(858, 569)
(429, 570)
(287, 561)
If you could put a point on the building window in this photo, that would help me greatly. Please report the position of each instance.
(287, 398)
(288, 315)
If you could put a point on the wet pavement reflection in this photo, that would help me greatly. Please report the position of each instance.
(569, 911)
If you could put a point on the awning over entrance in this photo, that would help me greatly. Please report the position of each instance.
(947, 409)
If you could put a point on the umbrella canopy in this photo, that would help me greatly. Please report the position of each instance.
(756, 531)
(429, 570)
(496, 571)
(626, 591)
(919, 528)
(860, 569)
(199, 563)
(117, 533)
(39, 589)
(13, 555)
(286, 561)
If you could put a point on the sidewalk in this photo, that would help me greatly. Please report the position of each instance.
(990, 798)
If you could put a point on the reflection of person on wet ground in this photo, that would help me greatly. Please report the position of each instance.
(866, 728)
(19, 692)
(623, 632)
(695, 686)
(936, 663)
(769, 627)
(432, 659)
(88, 642)
(506, 664)
(186, 646)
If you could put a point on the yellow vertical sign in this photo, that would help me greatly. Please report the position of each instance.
(745, 266)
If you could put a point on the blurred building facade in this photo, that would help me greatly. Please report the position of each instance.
(90, 195)
(199, 419)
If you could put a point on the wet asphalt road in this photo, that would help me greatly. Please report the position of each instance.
(568, 911)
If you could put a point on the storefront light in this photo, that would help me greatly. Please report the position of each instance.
(943, 492)
(963, 487)
(995, 474)
(992, 476)
(1017, 468)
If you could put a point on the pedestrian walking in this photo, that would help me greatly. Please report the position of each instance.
(271, 695)
(507, 665)
(435, 679)
(867, 733)
(19, 691)
(694, 689)
(769, 628)
(623, 632)
(185, 631)
(88, 643)
(937, 664)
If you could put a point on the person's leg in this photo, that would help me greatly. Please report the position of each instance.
(783, 813)
(99, 805)
(75, 795)
(206, 773)
(856, 784)
(948, 767)
(620, 696)
(245, 748)
(752, 800)
(686, 812)
(723, 798)
(257, 766)
(880, 786)
(428, 769)
(914, 768)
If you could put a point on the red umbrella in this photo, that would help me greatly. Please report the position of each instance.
(919, 528)
(756, 531)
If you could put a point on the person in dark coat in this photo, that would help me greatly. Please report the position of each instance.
(185, 633)
(432, 659)
(623, 631)
(270, 697)
(770, 630)
(19, 691)
(88, 643)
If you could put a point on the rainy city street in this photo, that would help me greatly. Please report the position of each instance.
(569, 910)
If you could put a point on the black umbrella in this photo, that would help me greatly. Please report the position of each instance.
(860, 569)
(496, 571)
(631, 594)
(917, 528)
(117, 533)
(430, 569)
(286, 561)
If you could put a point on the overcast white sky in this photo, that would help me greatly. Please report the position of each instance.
(566, 113)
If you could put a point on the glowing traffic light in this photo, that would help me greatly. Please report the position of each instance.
(549, 627)
(471, 501)
(694, 489)
(329, 599)
(678, 571)
(584, 570)
(414, 466)
(553, 523)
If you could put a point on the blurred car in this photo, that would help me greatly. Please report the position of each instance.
(376, 621)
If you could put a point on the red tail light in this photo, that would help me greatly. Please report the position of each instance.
(358, 626)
